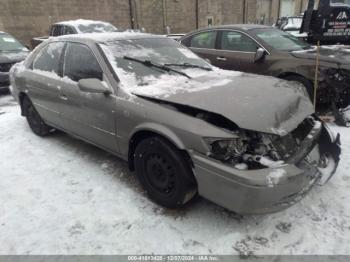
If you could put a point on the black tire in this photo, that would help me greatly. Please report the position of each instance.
(306, 83)
(164, 173)
(34, 120)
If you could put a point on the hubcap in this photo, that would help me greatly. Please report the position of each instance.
(159, 174)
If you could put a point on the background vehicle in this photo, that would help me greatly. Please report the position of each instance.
(292, 25)
(329, 23)
(79, 26)
(268, 51)
(178, 121)
(11, 52)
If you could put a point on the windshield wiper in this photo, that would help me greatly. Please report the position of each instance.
(190, 66)
(149, 63)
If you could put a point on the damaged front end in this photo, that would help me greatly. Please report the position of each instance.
(272, 171)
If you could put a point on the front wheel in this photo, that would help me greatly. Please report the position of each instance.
(34, 120)
(164, 172)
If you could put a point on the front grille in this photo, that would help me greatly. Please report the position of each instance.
(6, 67)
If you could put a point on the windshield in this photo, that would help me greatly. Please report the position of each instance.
(8, 43)
(281, 40)
(126, 57)
(96, 28)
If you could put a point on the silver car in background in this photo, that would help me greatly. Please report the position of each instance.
(249, 143)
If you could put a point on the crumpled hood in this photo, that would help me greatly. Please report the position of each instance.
(337, 54)
(253, 102)
(13, 57)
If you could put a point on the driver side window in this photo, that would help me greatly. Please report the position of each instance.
(235, 41)
(204, 40)
(81, 63)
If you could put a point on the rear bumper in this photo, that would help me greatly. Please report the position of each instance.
(265, 190)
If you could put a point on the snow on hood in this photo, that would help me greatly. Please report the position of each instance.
(258, 103)
(338, 54)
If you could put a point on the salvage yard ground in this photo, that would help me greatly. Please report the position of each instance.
(59, 195)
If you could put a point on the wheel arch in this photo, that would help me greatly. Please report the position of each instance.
(151, 130)
(288, 74)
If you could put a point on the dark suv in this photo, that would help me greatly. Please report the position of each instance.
(11, 52)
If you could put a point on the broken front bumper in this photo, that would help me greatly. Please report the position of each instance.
(270, 189)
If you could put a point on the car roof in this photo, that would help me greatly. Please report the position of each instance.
(106, 37)
(244, 27)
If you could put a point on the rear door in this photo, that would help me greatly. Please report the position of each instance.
(43, 82)
(237, 51)
(88, 115)
(204, 45)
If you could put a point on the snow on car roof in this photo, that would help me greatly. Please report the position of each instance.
(78, 22)
(108, 37)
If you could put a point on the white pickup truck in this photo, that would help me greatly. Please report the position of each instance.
(79, 26)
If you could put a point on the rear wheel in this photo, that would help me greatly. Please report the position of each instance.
(306, 83)
(35, 121)
(164, 172)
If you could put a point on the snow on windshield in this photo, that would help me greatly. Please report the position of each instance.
(146, 80)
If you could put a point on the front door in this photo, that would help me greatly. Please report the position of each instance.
(89, 115)
(237, 51)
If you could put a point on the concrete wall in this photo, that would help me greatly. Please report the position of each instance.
(29, 18)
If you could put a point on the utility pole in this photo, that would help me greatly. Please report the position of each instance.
(279, 9)
(244, 11)
(131, 13)
(197, 14)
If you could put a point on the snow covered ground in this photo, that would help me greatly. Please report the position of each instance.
(59, 195)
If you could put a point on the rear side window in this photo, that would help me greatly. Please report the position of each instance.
(204, 40)
(235, 41)
(48, 59)
(80, 63)
(68, 31)
(57, 30)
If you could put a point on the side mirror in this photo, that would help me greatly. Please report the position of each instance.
(93, 85)
(260, 54)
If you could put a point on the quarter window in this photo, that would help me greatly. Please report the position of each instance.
(48, 58)
(235, 41)
(80, 63)
(204, 40)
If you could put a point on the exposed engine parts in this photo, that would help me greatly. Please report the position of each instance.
(253, 150)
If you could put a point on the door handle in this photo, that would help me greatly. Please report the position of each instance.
(64, 97)
(220, 58)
